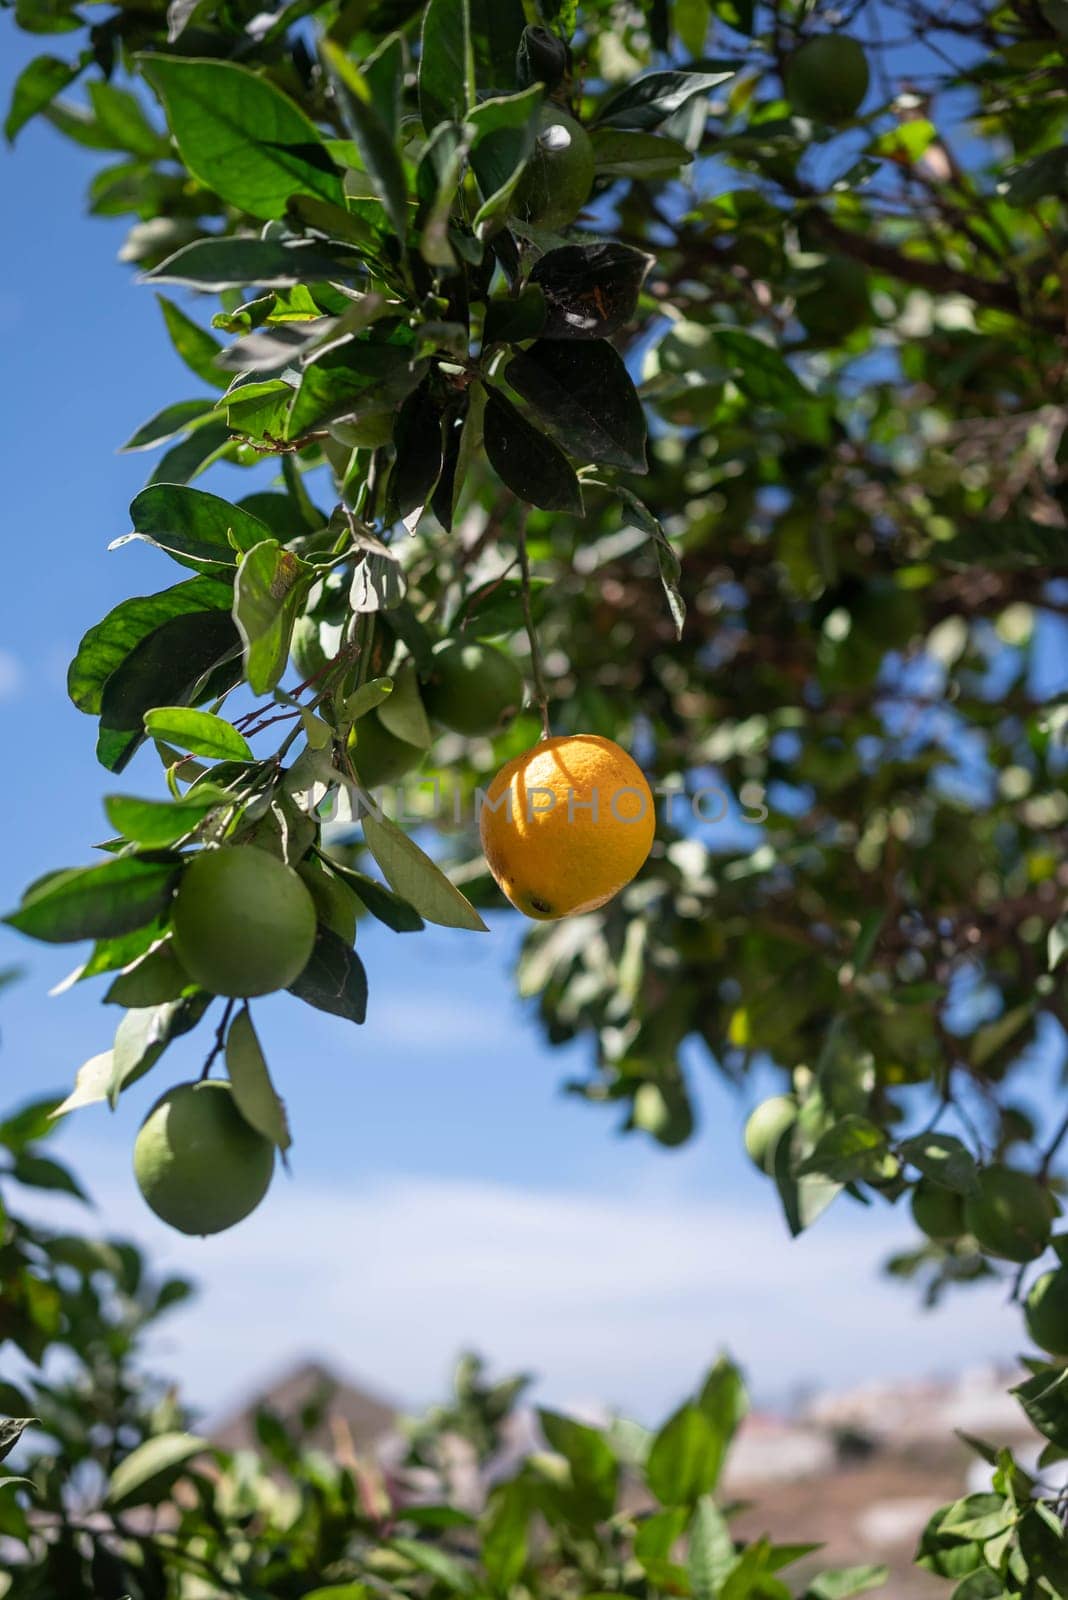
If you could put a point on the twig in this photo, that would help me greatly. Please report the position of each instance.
(540, 693)
(220, 1039)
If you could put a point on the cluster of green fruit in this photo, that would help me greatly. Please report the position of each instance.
(471, 687)
(243, 924)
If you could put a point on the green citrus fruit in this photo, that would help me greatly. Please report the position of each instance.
(938, 1212)
(335, 904)
(1046, 1312)
(198, 1163)
(377, 755)
(771, 1120)
(1010, 1215)
(244, 923)
(559, 175)
(827, 78)
(474, 687)
(306, 649)
(834, 301)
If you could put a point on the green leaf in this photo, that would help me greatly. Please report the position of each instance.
(529, 463)
(107, 645)
(36, 87)
(505, 1534)
(446, 63)
(651, 100)
(161, 822)
(373, 138)
(11, 1431)
(445, 1569)
(39, 1172)
(417, 440)
(591, 290)
(496, 30)
(711, 1555)
(28, 1124)
(167, 424)
(96, 902)
(334, 979)
(362, 376)
(271, 587)
(583, 394)
(152, 980)
(383, 73)
(196, 529)
(90, 1084)
(619, 153)
(241, 136)
(254, 1093)
(418, 880)
(143, 1035)
(385, 906)
(637, 514)
(686, 1457)
(403, 713)
(191, 456)
(841, 1582)
(185, 659)
(1040, 178)
(594, 1468)
(241, 261)
(1044, 1397)
(853, 1150)
(200, 732)
(945, 1159)
(193, 344)
(122, 121)
(1006, 544)
(147, 1473)
(505, 131)
(762, 374)
(511, 319)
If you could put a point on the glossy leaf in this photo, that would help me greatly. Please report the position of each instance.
(184, 659)
(107, 645)
(383, 904)
(237, 262)
(416, 878)
(96, 902)
(446, 63)
(334, 979)
(529, 463)
(652, 99)
(591, 290)
(621, 153)
(373, 137)
(167, 424)
(199, 732)
(211, 107)
(583, 394)
(197, 529)
(193, 344)
(269, 592)
(35, 88)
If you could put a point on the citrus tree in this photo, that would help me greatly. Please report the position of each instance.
(682, 379)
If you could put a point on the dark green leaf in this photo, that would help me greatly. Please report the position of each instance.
(121, 119)
(168, 423)
(373, 138)
(583, 394)
(446, 63)
(198, 529)
(192, 455)
(1044, 1397)
(146, 1475)
(685, 1458)
(594, 1468)
(96, 902)
(943, 1158)
(181, 661)
(1007, 543)
(241, 136)
(505, 131)
(619, 153)
(638, 515)
(383, 73)
(237, 262)
(591, 290)
(193, 344)
(36, 87)
(1043, 176)
(417, 438)
(528, 462)
(649, 101)
(254, 1093)
(334, 979)
(38, 1172)
(11, 1431)
(382, 903)
(757, 367)
(107, 645)
(511, 319)
(160, 822)
(853, 1150)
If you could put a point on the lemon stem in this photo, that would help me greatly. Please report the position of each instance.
(540, 693)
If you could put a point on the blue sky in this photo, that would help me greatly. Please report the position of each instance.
(444, 1191)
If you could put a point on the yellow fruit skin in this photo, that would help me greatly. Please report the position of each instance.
(551, 854)
(244, 924)
(198, 1163)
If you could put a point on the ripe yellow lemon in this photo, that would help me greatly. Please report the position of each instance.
(565, 825)
(244, 923)
(198, 1163)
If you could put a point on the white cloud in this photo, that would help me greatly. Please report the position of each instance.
(622, 1297)
(10, 675)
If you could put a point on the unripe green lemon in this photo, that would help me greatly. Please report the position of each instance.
(1046, 1312)
(474, 688)
(1011, 1214)
(665, 1114)
(771, 1120)
(306, 649)
(559, 175)
(938, 1212)
(244, 924)
(198, 1163)
(827, 78)
(377, 755)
